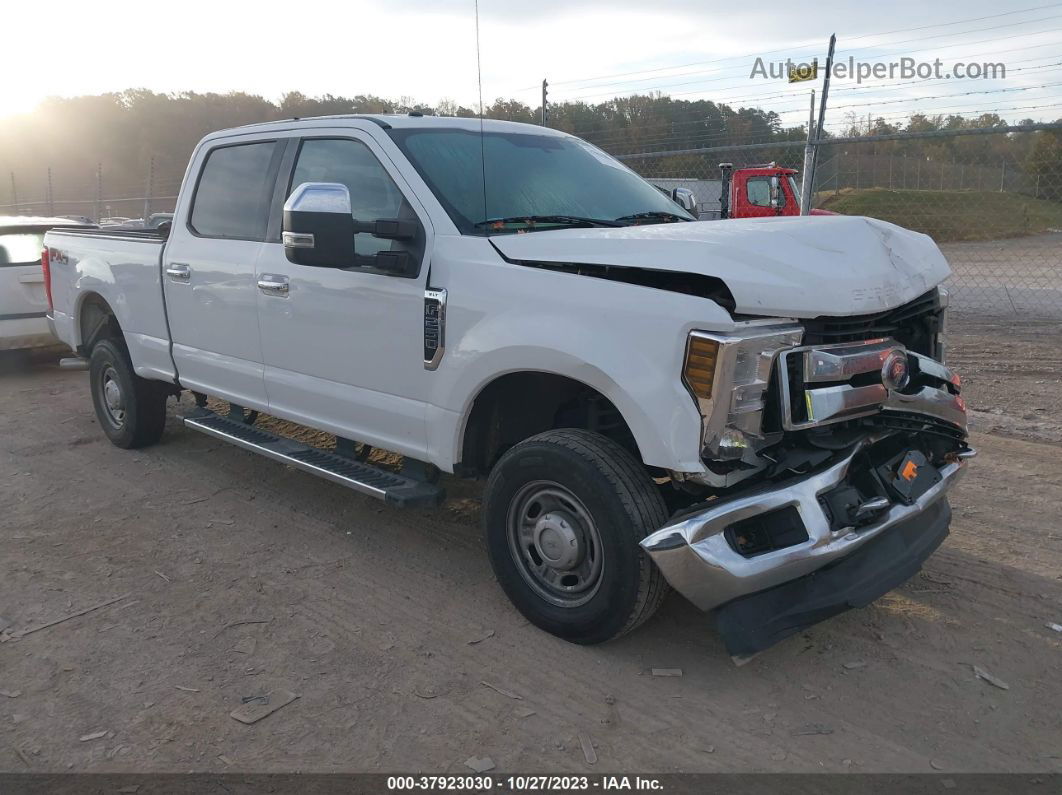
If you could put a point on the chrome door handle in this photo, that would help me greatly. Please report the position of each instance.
(273, 285)
(179, 271)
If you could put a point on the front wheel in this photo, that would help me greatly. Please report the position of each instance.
(564, 512)
(131, 409)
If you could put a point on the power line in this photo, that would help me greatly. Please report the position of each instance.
(643, 146)
(873, 60)
(791, 48)
(847, 52)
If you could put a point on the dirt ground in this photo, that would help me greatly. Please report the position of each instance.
(235, 577)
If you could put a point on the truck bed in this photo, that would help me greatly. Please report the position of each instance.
(122, 268)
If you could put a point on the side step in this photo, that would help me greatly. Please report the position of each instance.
(364, 478)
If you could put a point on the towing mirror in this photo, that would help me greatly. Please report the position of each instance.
(318, 226)
(685, 199)
(319, 230)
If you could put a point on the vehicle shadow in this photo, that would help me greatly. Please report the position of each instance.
(21, 362)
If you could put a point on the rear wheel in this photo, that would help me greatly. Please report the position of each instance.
(131, 409)
(564, 513)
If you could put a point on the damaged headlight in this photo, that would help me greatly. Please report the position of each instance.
(728, 376)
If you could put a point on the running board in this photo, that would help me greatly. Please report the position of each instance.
(366, 479)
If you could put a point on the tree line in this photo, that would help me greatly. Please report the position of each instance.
(128, 133)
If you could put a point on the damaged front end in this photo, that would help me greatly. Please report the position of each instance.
(830, 446)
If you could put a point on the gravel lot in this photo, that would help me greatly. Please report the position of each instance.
(236, 577)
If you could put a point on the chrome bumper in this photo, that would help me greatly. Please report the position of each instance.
(696, 558)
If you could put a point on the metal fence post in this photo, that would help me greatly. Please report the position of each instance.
(51, 197)
(147, 190)
(99, 192)
(1003, 176)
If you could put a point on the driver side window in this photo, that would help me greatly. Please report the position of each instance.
(373, 194)
(758, 190)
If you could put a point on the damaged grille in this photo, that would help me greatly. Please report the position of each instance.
(915, 325)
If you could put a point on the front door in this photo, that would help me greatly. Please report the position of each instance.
(344, 347)
(209, 272)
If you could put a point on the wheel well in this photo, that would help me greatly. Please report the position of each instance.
(97, 321)
(517, 406)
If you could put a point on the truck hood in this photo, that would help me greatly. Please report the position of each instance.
(781, 267)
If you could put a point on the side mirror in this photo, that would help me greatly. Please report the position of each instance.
(685, 199)
(777, 200)
(318, 227)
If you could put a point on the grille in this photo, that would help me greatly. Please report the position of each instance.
(915, 325)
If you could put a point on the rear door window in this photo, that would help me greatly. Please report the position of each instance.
(232, 198)
(21, 248)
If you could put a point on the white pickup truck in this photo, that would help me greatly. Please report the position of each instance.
(756, 413)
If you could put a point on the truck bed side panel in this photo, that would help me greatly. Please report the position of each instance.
(124, 271)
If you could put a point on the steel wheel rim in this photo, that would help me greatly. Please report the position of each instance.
(112, 400)
(555, 544)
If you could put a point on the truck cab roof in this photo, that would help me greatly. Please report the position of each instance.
(389, 121)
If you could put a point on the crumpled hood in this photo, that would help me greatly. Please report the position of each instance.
(789, 267)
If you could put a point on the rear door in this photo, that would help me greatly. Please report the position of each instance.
(209, 269)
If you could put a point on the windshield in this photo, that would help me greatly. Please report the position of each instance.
(527, 175)
(21, 248)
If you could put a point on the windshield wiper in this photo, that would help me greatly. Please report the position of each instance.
(564, 220)
(653, 215)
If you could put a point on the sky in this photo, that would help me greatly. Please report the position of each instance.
(587, 49)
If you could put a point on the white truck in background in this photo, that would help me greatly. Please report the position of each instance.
(23, 302)
(756, 412)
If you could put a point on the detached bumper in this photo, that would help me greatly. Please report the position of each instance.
(753, 623)
(698, 559)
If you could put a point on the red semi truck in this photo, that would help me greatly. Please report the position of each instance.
(750, 192)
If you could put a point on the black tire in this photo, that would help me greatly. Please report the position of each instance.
(610, 487)
(136, 415)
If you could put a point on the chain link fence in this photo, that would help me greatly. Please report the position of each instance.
(94, 195)
(997, 219)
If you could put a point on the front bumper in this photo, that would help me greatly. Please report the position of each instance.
(753, 623)
(698, 560)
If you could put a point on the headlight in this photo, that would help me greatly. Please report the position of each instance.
(728, 376)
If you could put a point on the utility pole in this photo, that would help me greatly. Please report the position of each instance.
(51, 196)
(819, 130)
(809, 156)
(14, 195)
(99, 192)
(545, 106)
(147, 190)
